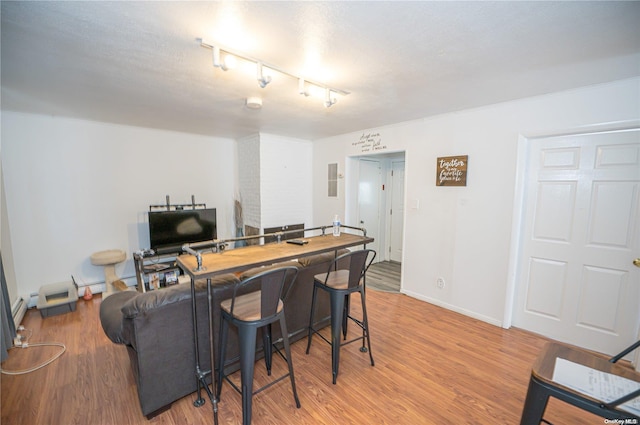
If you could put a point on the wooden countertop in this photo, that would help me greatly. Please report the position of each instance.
(238, 259)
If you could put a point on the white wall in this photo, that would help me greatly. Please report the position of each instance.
(5, 240)
(463, 234)
(76, 187)
(274, 180)
(249, 180)
(285, 180)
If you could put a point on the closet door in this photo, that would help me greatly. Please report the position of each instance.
(577, 281)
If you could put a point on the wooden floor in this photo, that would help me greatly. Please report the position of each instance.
(432, 366)
(384, 276)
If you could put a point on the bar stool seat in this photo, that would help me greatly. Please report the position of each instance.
(247, 307)
(256, 304)
(340, 283)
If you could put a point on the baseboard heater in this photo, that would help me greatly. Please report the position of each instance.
(18, 310)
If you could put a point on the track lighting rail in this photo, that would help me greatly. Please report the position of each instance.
(264, 80)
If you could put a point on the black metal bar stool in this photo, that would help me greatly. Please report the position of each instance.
(340, 283)
(256, 303)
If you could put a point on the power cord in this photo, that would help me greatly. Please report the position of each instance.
(19, 338)
(20, 341)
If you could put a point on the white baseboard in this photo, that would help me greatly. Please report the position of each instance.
(457, 309)
(18, 310)
(96, 288)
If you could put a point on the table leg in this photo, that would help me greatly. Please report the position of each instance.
(535, 404)
(214, 388)
(199, 400)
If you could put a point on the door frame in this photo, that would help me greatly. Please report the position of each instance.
(352, 178)
(523, 152)
(390, 183)
(517, 225)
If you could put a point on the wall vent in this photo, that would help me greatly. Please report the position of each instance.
(332, 181)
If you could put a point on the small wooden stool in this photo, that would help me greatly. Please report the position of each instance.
(542, 386)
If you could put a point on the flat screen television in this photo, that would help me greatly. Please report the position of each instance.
(169, 230)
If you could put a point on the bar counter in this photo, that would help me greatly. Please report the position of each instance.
(233, 260)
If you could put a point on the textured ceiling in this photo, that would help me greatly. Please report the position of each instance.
(140, 63)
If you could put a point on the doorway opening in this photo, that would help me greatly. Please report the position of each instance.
(375, 201)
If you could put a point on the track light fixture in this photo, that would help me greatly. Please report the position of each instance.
(301, 88)
(223, 65)
(328, 99)
(262, 79)
(304, 85)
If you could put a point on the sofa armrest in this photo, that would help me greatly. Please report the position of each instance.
(111, 315)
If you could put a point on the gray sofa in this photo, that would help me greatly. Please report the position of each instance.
(157, 329)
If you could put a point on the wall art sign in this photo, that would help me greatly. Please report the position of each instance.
(452, 170)
(369, 142)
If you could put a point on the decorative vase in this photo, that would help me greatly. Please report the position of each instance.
(87, 293)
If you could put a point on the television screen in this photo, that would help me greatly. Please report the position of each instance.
(169, 230)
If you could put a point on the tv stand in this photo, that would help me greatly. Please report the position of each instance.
(156, 271)
(177, 207)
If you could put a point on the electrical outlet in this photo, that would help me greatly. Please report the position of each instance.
(440, 283)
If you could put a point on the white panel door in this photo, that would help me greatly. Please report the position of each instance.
(576, 279)
(397, 211)
(369, 188)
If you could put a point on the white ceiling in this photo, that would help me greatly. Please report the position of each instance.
(140, 63)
